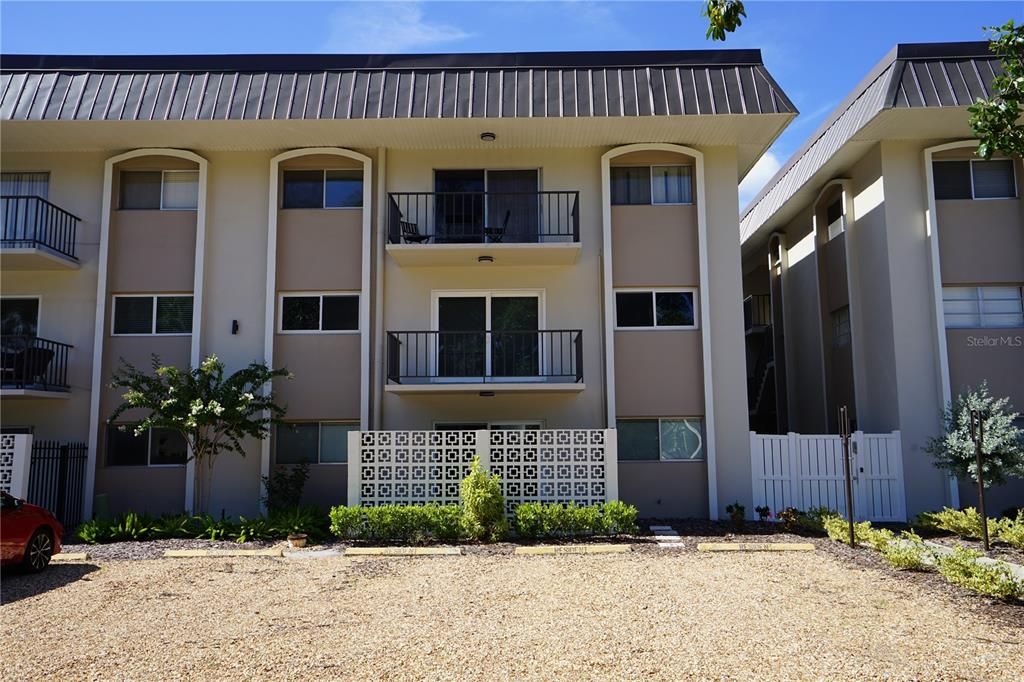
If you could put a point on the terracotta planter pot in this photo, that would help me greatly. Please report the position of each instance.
(297, 540)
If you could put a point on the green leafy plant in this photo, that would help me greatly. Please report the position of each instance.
(960, 567)
(131, 527)
(763, 513)
(813, 520)
(213, 413)
(724, 16)
(307, 520)
(210, 528)
(529, 521)
(534, 520)
(618, 518)
(789, 518)
(483, 505)
(908, 553)
(995, 121)
(401, 523)
(1011, 531)
(174, 526)
(965, 523)
(283, 487)
(255, 529)
(838, 529)
(737, 514)
(348, 523)
(442, 521)
(95, 531)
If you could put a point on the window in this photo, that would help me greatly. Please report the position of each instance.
(160, 190)
(640, 185)
(323, 189)
(490, 426)
(974, 179)
(20, 316)
(25, 184)
(667, 440)
(836, 221)
(155, 447)
(146, 315)
(841, 327)
(319, 313)
(672, 309)
(313, 442)
(997, 306)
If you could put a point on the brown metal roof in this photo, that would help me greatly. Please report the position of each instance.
(298, 87)
(911, 76)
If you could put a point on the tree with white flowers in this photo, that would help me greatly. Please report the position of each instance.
(212, 413)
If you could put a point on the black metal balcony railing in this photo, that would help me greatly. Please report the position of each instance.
(553, 356)
(34, 362)
(30, 221)
(483, 217)
(757, 311)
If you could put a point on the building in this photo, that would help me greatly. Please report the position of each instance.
(883, 267)
(487, 243)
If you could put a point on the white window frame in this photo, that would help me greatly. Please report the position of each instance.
(163, 180)
(149, 454)
(488, 295)
(1013, 170)
(152, 325)
(658, 290)
(323, 194)
(837, 226)
(703, 441)
(979, 299)
(650, 180)
(308, 294)
(319, 430)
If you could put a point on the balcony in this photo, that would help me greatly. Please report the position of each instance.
(488, 362)
(471, 228)
(757, 312)
(37, 235)
(33, 367)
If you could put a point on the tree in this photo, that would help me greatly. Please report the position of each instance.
(1003, 445)
(995, 121)
(212, 413)
(724, 16)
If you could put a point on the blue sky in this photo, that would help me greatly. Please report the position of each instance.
(816, 50)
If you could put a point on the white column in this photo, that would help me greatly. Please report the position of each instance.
(611, 465)
(354, 466)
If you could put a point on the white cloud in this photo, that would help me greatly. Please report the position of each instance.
(386, 27)
(761, 173)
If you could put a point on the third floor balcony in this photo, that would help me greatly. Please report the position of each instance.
(36, 234)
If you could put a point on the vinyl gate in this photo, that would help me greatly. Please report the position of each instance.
(57, 479)
(805, 471)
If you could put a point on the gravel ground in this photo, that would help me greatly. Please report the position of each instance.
(646, 614)
(154, 549)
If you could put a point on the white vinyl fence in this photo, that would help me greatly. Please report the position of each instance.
(542, 465)
(15, 459)
(804, 471)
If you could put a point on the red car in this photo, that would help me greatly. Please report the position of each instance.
(29, 535)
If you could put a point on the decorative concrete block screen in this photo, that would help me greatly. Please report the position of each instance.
(804, 471)
(15, 456)
(416, 467)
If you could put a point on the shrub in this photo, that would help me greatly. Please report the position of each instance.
(966, 523)
(174, 526)
(763, 513)
(95, 531)
(839, 530)
(250, 530)
(483, 505)
(348, 523)
(618, 518)
(392, 522)
(530, 520)
(442, 521)
(402, 523)
(283, 488)
(307, 520)
(813, 520)
(737, 514)
(960, 567)
(789, 518)
(908, 553)
(1011, 531)
(210, 528)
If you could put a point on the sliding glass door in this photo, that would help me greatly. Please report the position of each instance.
(486, 206)
(488, 336)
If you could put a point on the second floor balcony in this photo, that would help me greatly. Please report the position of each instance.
(31, 366)
(36, 234)
(468, 228)
(486, 361)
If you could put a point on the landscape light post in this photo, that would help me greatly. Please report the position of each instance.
(844, 434)
(978, 436)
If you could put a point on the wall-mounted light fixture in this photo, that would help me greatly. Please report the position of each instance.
(485, 259)
(488, 137)
(486, 394)
(234, 327)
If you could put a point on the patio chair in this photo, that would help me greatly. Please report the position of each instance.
(497, 234)
(411, 233)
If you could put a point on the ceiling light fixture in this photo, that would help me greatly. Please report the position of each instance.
(485, 259)
(488, 137)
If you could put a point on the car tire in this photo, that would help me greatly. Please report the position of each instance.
(38, 551)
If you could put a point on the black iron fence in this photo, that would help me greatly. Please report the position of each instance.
(757, 311)
(56, 479)
(30, 221)
(33, 362)
(483, 217)
(485, 356)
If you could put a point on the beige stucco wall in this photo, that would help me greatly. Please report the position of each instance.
(981, 241)
(319, 249)
(326, 371)
(659, 373)
(655, 246)
(67, 297)
(151, 251)
(665, 490)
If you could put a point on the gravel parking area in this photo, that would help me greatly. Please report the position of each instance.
(647, 614)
